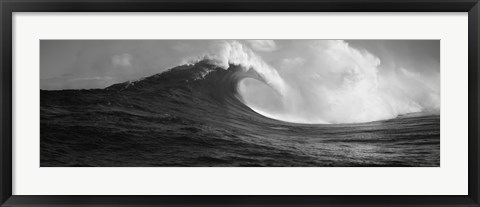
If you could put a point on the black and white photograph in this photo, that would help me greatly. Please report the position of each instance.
(239, 103)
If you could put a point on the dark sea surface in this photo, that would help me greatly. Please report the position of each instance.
(192, 115)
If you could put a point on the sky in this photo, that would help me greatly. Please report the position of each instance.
(85, 64)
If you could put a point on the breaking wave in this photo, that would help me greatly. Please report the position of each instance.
(337, 84)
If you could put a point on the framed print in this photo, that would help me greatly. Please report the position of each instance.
(263, 103)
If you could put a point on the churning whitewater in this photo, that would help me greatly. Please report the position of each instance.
(229, 107)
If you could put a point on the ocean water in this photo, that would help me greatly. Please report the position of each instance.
(193, 116)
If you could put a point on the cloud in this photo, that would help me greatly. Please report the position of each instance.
(182, 47)
(292, 62)
(94, 78)
(262, 45)
(122, 60)
(69, 81)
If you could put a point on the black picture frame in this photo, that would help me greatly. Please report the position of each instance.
(7, 7)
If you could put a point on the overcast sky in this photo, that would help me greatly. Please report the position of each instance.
(79, 64)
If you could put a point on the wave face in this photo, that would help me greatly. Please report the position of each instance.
(198, 115)
(335, 84)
